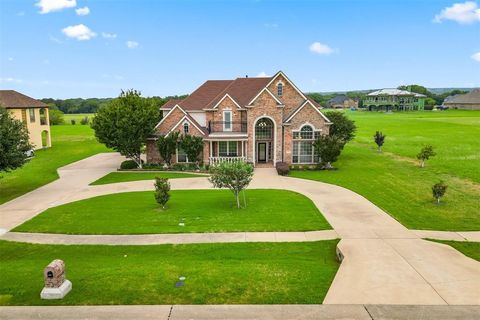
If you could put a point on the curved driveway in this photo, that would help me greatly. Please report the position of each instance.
(384, 262)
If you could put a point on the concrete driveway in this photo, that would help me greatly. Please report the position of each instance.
(384, 262)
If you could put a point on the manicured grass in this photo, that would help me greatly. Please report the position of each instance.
(470, 249)
(199, 210)
(68, 117)
(393, 181)
(69, 144)
(234, 273)
(115, 177)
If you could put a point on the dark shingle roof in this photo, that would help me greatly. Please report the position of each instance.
(12, 99)
(470, 97)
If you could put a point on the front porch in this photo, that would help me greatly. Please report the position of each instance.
(227, 151)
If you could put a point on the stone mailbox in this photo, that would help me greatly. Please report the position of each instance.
(56, 286)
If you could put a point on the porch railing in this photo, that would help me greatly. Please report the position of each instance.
(227, 126)
(217, 160)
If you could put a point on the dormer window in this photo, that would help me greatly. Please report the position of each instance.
(185, 128)
(280, 89)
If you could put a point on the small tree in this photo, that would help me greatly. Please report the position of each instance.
(125, 123)
(14, 142)
(55, 117)
(342, 127)
(193, 146)
(167, 145)
(438, 190)
(379, 139)
(425, 154)
(328, 148)
(162, 188)
(235, 176)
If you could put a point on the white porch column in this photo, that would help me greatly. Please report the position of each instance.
(243, 152)
(211, 151)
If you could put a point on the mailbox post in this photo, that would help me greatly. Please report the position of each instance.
(56, 286)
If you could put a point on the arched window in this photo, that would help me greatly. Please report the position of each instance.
(185, 128)
(280, 89)
(306, 132)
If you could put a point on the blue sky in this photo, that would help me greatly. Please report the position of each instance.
(58, 48)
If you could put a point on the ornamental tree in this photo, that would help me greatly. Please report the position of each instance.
(192, 145)
(162, 188)
(379, 139)
(235, 176)
(125, 123)
(425, 154)
(342, 127)
(167, 145)
(329, 149)
(438, 190)
(14, 142)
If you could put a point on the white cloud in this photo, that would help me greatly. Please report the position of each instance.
(132, 44)
(79, 32)
(10, 80)
(467, 12)
(262, 74)
(476, 56)
(107, 35)
(82, 11)
(10, 59)
(320, 48)
(47, 6)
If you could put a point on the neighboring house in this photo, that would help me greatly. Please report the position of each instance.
(342, 102)
(32, 112)
(394, 99)
(467, 101)
(258, 120)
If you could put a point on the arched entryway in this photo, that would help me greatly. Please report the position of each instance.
(264, 140)
(45, 139)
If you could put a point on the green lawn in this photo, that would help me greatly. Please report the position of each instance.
(393, 181)
(199, 210)
(470, 249)
(234, 273)
(115, 177)
(69, 144)
(77, 117)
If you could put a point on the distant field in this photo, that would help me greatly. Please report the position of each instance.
(77, 117)
(393, 181)
(69, 144)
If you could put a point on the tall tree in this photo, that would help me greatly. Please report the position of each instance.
(193, 146)
(167, 145)
(329, 149)
(14, 142)
(125, 123)
(342, 128)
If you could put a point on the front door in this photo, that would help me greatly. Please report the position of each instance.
(262, 152)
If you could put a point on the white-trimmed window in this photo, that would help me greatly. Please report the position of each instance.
(32, 114)
(280, 89)
(303, 150)
(185, 128)
(227, 148)
(181, 155)
(227, 120)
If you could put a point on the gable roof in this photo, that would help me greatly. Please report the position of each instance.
(300, 107)
(12, 99)
(201, 97)
(470, 97)
(171, 103)
(338, 99)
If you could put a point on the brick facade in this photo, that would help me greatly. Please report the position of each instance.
(263, 106)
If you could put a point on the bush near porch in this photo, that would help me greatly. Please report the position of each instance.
(199, 210)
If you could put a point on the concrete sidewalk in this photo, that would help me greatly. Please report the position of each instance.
(172, 238)
(242, 312)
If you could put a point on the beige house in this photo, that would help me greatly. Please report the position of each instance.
(263, 120)
(342, 102)
(30, 111)
(467, 101)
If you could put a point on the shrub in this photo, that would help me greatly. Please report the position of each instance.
(379, 139)
(55, 117)
(84, 120)
(438, 190)
(128, 164)
(157, 166)
(329, 149)
(282, 168)
(235, 176)
(192, 145)
(73, 122)
(162, 188)
(179, 167)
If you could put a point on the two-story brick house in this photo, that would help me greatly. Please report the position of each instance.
(259, 120)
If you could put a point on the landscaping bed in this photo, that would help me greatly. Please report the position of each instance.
(125, 176)
(238, 273)
(197, 210)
